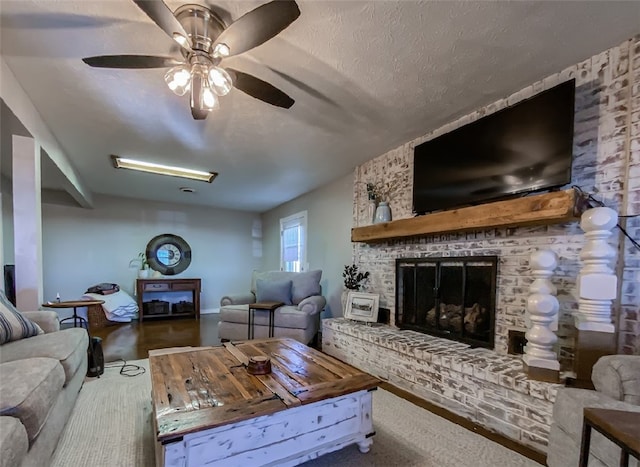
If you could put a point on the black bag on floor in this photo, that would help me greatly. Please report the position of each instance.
(96, 357)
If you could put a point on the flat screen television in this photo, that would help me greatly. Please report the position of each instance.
(523, 148)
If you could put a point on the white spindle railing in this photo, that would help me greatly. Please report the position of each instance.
(542, 307)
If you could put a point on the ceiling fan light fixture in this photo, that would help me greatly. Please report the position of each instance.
(182, 40)
(221, 50)
(220, 81)
(178, 79)
(206, 40)
(160, 169)
(203, 99)
(209, 99)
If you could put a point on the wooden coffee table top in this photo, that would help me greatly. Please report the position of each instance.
(196, 389)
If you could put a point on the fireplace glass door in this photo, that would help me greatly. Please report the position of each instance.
(448, 297)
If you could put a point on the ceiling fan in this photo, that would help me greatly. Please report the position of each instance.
(205, 40)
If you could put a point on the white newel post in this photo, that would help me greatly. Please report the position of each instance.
(597, 283)
(540, 356)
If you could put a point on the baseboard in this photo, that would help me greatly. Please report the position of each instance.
(526, 451)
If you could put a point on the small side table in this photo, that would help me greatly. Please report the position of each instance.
(270, 307)
(74, 304)
(619, 426)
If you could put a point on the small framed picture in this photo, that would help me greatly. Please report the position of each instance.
(362, 307)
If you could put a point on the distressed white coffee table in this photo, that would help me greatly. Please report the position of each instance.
(210, 411)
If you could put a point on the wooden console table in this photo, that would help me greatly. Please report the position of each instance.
(168, 290)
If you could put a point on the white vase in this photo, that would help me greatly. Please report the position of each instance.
(143, 273)
(383, 213)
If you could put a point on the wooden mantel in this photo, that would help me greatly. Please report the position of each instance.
(548, 208)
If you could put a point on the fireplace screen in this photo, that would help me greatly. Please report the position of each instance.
(448, 297)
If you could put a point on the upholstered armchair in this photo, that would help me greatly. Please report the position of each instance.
(298, 318)
(616, 379)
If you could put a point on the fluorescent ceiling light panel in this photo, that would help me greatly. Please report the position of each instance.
(150, 167)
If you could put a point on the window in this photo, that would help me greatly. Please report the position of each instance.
(293, 242)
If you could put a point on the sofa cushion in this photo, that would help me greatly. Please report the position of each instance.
(273, 291)
(30, 387)
(284, 317)
(303, 284)
(68, 346)
(14, 442)
(13, 325)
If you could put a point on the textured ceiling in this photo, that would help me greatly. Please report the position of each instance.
(366, 77)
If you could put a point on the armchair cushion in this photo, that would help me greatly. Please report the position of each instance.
(13, 325)
(287, 316)
(273, 291)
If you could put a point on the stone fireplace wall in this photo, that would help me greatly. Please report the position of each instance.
(606, 163)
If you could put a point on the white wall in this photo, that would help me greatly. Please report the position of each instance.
(329, 219)
(83, 247)
(6, 228)
(21, 106)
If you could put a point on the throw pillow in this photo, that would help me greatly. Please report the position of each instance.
(14, 326)
(273, 291)
(305, 284)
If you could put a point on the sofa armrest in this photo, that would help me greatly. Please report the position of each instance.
(312, 305)
(47, 320)
(618, 376)
(570, 403)
(14, 442)
(238, 299)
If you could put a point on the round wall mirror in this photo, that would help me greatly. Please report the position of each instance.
(168, 254)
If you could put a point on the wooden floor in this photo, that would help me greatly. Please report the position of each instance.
(132, 341)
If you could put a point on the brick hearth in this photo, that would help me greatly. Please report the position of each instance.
(478, 384)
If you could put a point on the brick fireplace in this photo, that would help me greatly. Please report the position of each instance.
(452, 298)
(487, 385)
(476, 383)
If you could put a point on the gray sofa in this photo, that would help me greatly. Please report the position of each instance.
(617, 382)
(299, 321)
(40, 378)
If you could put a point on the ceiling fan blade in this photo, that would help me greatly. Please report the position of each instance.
(259, 25)
(160, 14)
(130, 61)
(260, 89)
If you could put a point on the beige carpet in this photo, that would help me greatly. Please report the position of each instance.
(111, 426)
